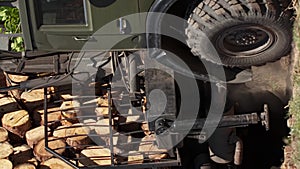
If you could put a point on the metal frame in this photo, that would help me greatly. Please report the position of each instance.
(152, 164)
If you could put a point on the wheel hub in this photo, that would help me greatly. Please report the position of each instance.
(242, 38)
(245, 40)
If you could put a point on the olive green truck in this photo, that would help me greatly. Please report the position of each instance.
(169, 60)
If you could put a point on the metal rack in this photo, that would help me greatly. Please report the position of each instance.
(73, 159)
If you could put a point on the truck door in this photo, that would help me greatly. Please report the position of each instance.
(65, 25)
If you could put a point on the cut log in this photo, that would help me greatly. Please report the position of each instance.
(121, 142)
(34, 98)
(17, 122)
(91, 123)
(75, 135)
(79, 136)
(102, 129)
(21, 154)
(150, 149)
(69, 111)
(54, 163)
(39, 151)
(102, 111)
(102, 102)
(5, 164)
(66, 97)
(14, 80)
(135, 157)
(62, 132)
(5, 150)
(53, 117)
(3, 135)
(35, 135)
(8, 104)
(95, 155)
(25, 166)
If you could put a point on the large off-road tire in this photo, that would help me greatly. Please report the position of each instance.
(243, 32)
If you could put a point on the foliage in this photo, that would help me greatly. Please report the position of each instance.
(294, 105)
(10, 17)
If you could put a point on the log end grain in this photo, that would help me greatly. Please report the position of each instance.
(54, 163)
(58, 145)
(5, 164)
(6, 150)
(17, 122)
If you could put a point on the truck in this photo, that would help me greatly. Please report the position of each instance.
(172, 61)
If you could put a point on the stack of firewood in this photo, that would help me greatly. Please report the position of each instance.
(77, 135)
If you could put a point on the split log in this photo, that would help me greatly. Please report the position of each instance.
(5, 164)
(35, 135)
(53, 117)
(79, 136)
(21, 154)
(135, 157)
(5, 150)
(39, 151)
(17, 122)
(69, 111)
(25, 166)
(3, 135)
(95, 155)
(54, 163)
(151, 150)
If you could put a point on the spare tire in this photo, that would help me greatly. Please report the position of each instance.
(243, 32)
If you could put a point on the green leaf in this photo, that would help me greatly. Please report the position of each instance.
(10, 17)
(19, 40)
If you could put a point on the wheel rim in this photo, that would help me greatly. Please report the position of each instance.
(245, 41)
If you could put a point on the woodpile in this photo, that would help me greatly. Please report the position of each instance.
(25, 134)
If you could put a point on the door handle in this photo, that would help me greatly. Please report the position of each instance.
(82, 38)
